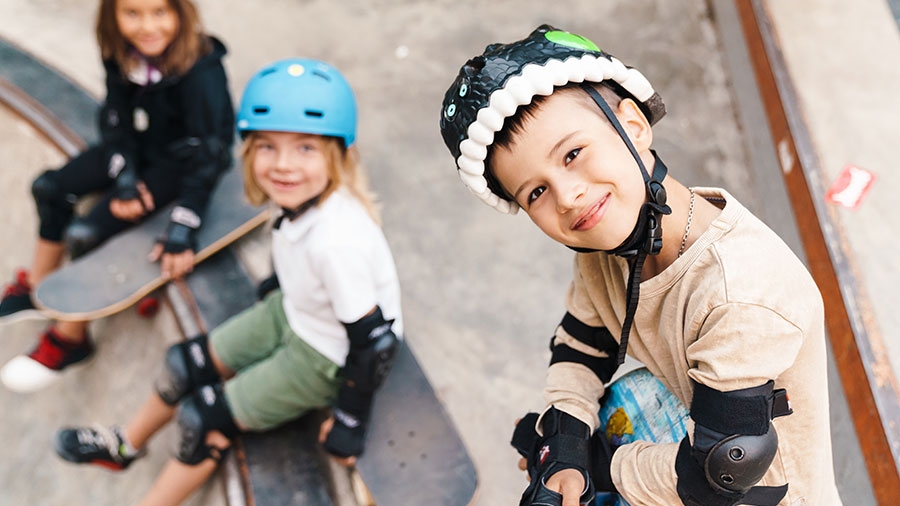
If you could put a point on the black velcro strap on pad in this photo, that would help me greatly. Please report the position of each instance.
(603, 367)
(747, 411)
(765, 496)
(567, 442)
(566, 450)
(595, 337)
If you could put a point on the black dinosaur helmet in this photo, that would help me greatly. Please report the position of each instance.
(492, 86)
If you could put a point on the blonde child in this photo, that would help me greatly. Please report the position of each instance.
(685, 280)
(166, 134)
(326, 337)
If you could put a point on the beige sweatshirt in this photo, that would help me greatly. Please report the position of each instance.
(734, 311)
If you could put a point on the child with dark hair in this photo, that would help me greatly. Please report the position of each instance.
(166, 128)
(685, 280)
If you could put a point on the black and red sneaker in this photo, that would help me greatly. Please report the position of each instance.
(98, 445)
(16, 303)
(41, 367)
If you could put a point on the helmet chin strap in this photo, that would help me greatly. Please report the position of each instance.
(291, 214)
(646, 237)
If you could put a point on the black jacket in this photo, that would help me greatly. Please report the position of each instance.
(185, 124)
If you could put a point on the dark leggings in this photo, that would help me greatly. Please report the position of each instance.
(87, 174)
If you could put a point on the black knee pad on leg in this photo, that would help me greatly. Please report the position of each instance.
(200, 413)
(188, 366)
(82, 236)
(54, 206)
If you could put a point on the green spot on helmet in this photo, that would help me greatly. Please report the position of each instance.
(490, 88)
(571, 40)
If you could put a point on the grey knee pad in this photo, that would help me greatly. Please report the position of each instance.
(203, 411)
(188, 366)
(81, 237)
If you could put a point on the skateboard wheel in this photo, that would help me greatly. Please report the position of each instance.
(148, 306)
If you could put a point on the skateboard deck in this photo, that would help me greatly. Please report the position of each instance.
(117, 274)
(637, 407)
(413, 453)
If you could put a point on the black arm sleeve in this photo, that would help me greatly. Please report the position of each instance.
(598, 338)
(373, 345)
(117, 134)
(206, 149)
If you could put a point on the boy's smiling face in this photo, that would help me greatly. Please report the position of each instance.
(573, 174)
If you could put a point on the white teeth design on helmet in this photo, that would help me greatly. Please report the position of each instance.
(471, 165)
(476, 182)
(618, 71)
(595, 69)
(506, 208)
(575, 68)
(491, 119)
(481, 133)
(473, 149)
(635, 81)
(502, 102)
(521, 90)
(542, 82)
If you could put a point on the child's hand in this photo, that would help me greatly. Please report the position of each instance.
(570, 484)
(133, 209)
(324, 429)
(173, 265)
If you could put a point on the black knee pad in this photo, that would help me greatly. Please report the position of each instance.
(82, 236)
(203, 411)
(188, 366)
(54, 206)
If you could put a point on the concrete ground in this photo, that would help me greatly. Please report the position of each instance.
(482, 292)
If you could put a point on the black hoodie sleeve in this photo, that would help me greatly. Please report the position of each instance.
(209, 119)
(117, 134)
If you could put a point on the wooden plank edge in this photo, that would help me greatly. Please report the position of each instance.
(866, 376)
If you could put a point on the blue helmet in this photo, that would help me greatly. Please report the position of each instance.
(299, 95)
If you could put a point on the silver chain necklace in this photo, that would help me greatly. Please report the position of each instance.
(687, 228)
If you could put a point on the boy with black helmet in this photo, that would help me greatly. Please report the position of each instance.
(714, 303)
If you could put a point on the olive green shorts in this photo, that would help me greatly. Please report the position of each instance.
(279, 376)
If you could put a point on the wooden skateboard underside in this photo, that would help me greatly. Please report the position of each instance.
(414, 454)
(117, 274)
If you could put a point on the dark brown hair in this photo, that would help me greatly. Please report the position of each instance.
(188, 45)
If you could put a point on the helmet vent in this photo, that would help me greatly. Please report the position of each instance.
(261, 110)
(267, 71)
(321, 74)
(313, 114)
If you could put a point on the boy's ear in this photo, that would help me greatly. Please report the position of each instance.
(635, 124)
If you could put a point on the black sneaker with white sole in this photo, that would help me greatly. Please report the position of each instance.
(98, 445)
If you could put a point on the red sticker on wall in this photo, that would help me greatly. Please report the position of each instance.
(851, 185)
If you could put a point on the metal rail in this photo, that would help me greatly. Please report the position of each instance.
(866, 375)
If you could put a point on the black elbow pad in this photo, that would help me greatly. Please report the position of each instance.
(373, 345)
(733, 446)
